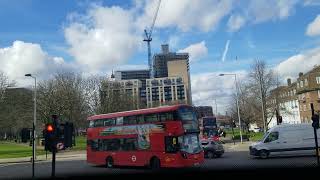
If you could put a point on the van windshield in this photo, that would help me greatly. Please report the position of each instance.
(264, 136)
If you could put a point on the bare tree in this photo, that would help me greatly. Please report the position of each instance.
(248, 106)
(3, 84)
(16, 110)
(65, 96)
(262, 81)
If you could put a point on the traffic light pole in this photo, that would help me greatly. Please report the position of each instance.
(53, 163)
(317, 147)
(315, 137)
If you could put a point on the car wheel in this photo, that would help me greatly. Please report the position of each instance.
(210, 154)
(264, 154)
(109, 162)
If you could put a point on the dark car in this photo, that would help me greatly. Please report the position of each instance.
(212, 148)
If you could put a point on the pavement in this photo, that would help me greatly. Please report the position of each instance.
(238, 146)
(81, 155)
(74, 155)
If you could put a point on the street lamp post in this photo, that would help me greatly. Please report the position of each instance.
(34, 122)
(215, 101)
(235, 79)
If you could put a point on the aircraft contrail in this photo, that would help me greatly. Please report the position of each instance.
(225, 51)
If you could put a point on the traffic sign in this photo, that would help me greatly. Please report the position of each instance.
(60, 146)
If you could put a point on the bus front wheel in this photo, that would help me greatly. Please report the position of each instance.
(109, 162)
(155, 163)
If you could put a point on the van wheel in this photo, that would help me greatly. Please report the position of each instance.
(218, 155)
(109, 162)
(263, 154)
(155, 163)
(210, 154)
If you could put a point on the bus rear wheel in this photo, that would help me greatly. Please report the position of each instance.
(155, 163)
(109, 162)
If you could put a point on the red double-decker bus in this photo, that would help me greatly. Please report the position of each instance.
(156, 137)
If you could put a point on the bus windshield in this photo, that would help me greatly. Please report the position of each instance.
(188, 118)
(190, 143)
(187, 114)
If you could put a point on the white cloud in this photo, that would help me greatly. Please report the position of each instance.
(264, 10)
(226, 49)
(196, 51)
(302, 62)
(22, 58)
(174, 41)
(313, 28)
(235, 22)
(104, 36)
(311, 3)
(208, 86)
(203, 15)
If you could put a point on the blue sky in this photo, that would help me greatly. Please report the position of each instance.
(97, 36)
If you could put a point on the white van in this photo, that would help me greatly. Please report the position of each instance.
(286, 139)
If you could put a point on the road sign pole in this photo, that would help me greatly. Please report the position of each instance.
(53, 163)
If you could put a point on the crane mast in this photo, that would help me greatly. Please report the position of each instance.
(148, 39)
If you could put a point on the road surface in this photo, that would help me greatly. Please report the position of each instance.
(229, 161)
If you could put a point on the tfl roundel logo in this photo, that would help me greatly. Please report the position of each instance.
(134, 158)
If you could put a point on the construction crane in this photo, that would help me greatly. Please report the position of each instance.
(148, 39)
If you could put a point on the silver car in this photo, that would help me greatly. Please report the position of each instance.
(212, 148)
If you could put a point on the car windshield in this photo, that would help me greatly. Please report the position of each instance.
(190, 143)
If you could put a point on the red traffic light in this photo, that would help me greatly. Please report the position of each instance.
(49, 128)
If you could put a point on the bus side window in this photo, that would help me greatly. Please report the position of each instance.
(129, 144)
(140, 119)
(112, 144)
(150, 118)
(109, 122)
(162, 117)
(130, 120)
(98, 123)
(168, 116)
(119, 120)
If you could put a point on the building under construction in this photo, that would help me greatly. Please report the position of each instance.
(172, 64)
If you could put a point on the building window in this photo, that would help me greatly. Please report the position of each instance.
(318, 79)
(318, 93)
